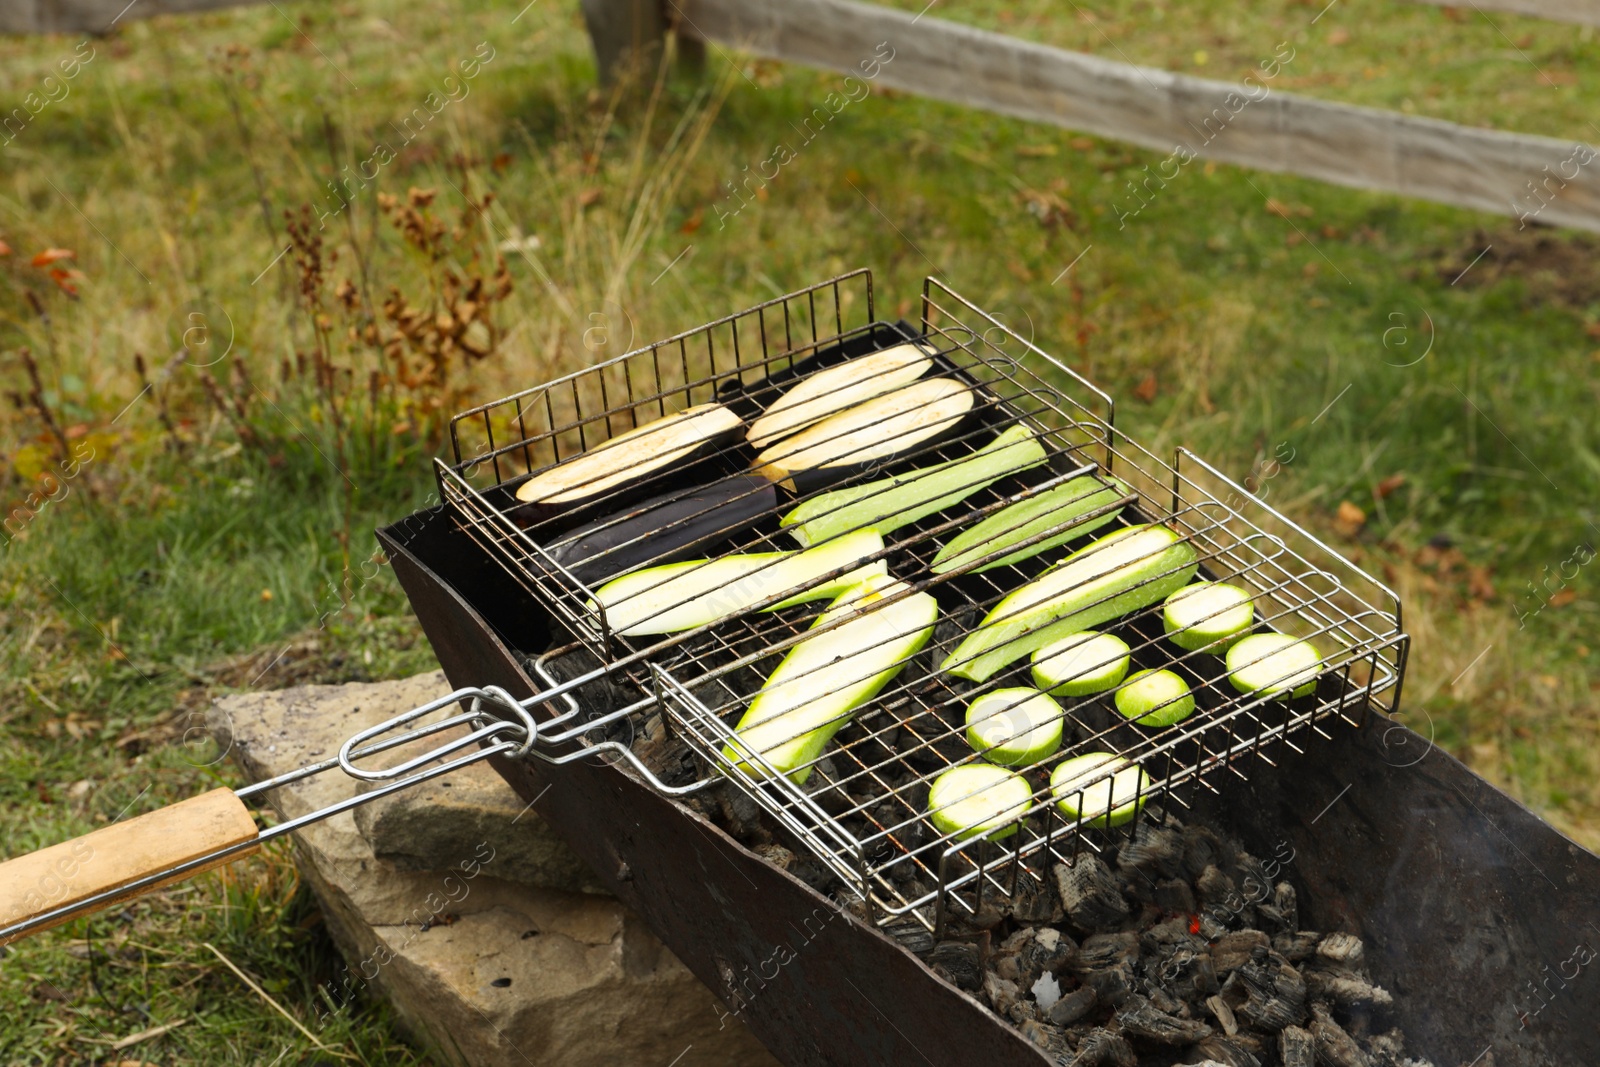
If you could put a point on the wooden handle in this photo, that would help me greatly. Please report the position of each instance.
(121, 853)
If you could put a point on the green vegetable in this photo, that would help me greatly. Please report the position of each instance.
(821, 681)
(1275, 664)
(1208, 616)
(882, 427)
(977, 800)
(1117, 792)
(1014, 727)
(1062, 508)
(890, 503)
(838, 387)
(1155, 698)
(696, 592)
(1121, 572)
(1081, 664)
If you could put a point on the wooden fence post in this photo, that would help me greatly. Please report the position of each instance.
(627, 35)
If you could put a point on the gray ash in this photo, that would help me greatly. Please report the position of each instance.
(1178, 951)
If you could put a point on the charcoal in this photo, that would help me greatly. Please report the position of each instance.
(1226, 1051)
(1052, 1039)
(1174, 897)
(958, 963)
(1277, 994)
(1297, 946)
(1216, 889)
(1341, 948)
(1105, 1048)
(1233, 950)
(1000, 993)
(1154, 850)
(1287, 902)
(1023, 1011)
(1141, 1019)
(1223, 1013)
(1112, 984)
(1201, 849)
(780, 857)
(1166, 1002)
(1213, 925)
(912, 936)
(1035, 901)
(1172, 932)
(1297, 1048)
(1335, 1048)
(1091, 894)
(1073, 1006)
(1047, 951)
(1345, 987)
(1387, 1050)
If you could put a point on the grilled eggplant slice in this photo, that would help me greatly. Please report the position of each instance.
(1275, 664)
(1109, 801)
(844, 385)
(1014, 727)
(1121, 572)
(664, 528)
(978, 800)
(890, 503)
(821, 681)
(1155, 698)
(1069, 508)
(1108, 578)
(886, 426)
(1207, 615)
(663, 445)
(698, 592)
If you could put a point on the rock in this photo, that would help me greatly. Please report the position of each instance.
(480, 968)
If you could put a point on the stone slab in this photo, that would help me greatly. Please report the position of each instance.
(481, 967)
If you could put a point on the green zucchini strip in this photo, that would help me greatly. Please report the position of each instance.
(1073, 508)
(682, 596)
(824, 679)
(1119, 573)
(890, 503)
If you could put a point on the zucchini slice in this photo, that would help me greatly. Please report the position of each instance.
(890, 503)
(681, 596)
(1275, 664)
(1101, 788)
(883, 427)
(1208, 616)
(844, 385)
(628, 457)
(1081, 664)
(1066, 504)
(1014, 727)
(664, 528)
(1121, 572)
(822, 680)
(1155, 699)
(978, 800)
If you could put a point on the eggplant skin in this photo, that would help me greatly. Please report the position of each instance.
(665, 445)
(665, 528)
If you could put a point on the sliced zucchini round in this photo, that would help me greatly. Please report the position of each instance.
(1080, 664)
(978, 800)
(1014, 727)
(1155, 699)
(1275, 664)
(1083, 790)
(1208, 615)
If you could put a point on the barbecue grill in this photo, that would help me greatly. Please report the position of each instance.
(622, 742)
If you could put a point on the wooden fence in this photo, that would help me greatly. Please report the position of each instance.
(1520, 175)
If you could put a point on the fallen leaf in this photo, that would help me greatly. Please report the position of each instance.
(693, 222)
(1339, 36)
(1389, 485)
(1478, 583)
(51, 255)
(1349, 519)
(1454, 14)
(501, 161)
(1593, 329)
(1082, 144)
(1310, 269)
(1146, 389)
(589, 196)
(1020, 270)
(5, 249)
(1036, 151)
(1563, 598)
(1557, 77)
(1278, 208)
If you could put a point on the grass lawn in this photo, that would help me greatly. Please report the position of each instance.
(206, 509)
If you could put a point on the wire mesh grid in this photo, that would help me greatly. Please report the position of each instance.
(860, 805)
